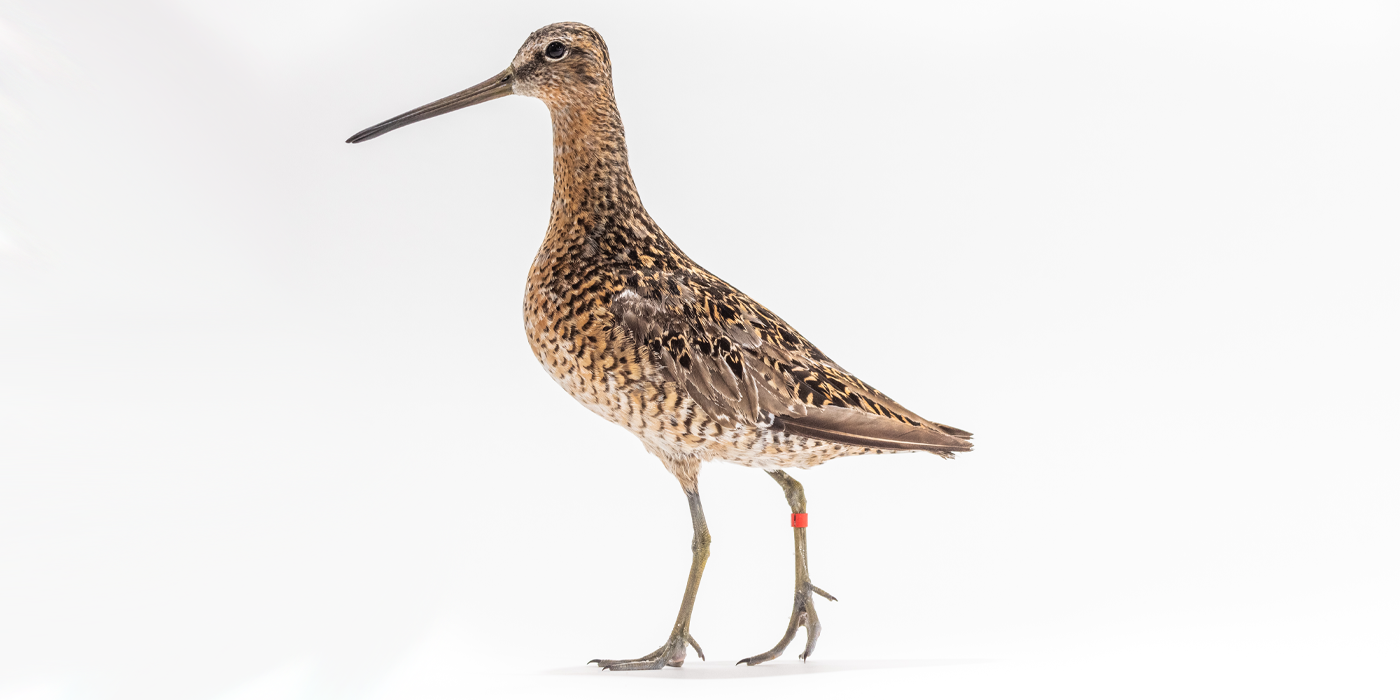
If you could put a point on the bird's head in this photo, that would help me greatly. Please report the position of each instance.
(564, 62)
(561, 64)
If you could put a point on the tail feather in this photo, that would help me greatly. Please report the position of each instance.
(854, 427)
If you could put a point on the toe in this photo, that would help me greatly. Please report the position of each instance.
(696, 645)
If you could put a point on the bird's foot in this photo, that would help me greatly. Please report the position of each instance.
(672, 653)
(803, 615)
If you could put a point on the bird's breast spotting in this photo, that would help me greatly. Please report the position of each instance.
(578, 341)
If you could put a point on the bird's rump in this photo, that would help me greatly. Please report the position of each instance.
(743, 364)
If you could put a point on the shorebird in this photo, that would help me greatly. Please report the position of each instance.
(645, 337)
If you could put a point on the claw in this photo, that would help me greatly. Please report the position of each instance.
(672, 653)
(749, 661)
(698, 651)
(804, 614)
(643, 664)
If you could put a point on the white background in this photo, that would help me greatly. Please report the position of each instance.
(269, 428)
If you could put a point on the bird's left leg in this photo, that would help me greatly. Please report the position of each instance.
(672, 653)
(804, 614)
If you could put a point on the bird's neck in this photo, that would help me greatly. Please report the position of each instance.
(595, 200)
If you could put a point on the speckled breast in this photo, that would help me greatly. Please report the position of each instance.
(572, 335)
(571, 332)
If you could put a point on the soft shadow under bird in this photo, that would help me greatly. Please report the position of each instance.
(645, 337)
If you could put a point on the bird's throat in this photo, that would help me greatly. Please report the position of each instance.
(592, 179)
(597, 218)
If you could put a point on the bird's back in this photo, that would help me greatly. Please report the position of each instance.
(641, 334)
(651, 341)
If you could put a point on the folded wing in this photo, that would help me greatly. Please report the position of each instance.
(743, 364)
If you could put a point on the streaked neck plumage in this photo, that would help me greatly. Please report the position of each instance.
(596, 208)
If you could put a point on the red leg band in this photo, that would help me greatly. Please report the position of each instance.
(799, 520)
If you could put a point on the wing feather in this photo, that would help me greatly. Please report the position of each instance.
(741, 363)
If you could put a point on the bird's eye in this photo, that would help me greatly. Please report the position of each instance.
(555, 50)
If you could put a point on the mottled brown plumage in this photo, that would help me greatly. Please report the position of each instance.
(642, 335)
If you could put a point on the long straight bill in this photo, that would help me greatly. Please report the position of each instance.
(498, 86)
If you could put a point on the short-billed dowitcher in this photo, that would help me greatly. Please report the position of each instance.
(643, 336)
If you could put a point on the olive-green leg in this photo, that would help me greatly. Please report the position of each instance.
(672, 653)
(804, 614)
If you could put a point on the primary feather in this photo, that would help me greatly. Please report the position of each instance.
(743, 364)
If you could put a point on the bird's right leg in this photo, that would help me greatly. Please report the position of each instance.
(672, 653)
(804, 614)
